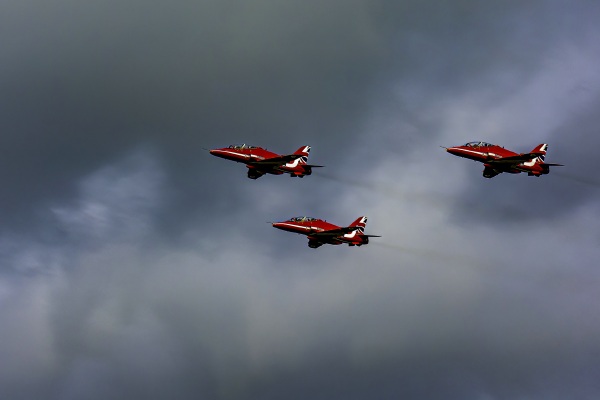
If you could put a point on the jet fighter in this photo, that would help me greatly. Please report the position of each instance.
(261, 161)
(321, 232)
(497, 159)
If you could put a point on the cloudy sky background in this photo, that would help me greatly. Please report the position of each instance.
(135, 265)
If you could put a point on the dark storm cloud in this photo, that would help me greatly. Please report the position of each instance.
(85, 83)
(80, 91)
(134, 264)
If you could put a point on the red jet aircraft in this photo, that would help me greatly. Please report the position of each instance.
(497, 159)
(261, 161)
(320, 232)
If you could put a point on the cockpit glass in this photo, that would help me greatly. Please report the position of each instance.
(301, 219)
(241, 146)
(478, 144)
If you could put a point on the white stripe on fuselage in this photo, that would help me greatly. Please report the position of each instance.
(479, 153)
(293, 164)
(241, 154)
(483, 153)
(350, 235)
(307, 228)
(294, 225)
(529, 163)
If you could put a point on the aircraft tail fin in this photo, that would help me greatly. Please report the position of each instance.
(360, 223)
(540, 152)
(303, 152)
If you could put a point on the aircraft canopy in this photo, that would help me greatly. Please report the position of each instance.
(241, 146)
(302, 219)
(478, 144)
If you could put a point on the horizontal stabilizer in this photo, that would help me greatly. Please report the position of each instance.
(312, 166)
(554, 165)
(372, 235)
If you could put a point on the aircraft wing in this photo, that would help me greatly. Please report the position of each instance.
(275, 161)
(514, 159)
(335, 232)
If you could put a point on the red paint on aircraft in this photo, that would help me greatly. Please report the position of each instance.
(321, 232)
(261, 161)
(497, 159)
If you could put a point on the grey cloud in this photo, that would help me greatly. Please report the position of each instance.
(134, 264)
(82, 90)
(572, 144)
(366, 325)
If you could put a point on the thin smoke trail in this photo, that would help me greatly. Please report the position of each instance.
(386, 189)
(578, 179)
(431, 199)
(430, 254)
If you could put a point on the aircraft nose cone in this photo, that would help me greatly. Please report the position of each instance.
(217, 152)
(453, 150)
(277, 225)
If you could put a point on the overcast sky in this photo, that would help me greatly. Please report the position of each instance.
(135, 265)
